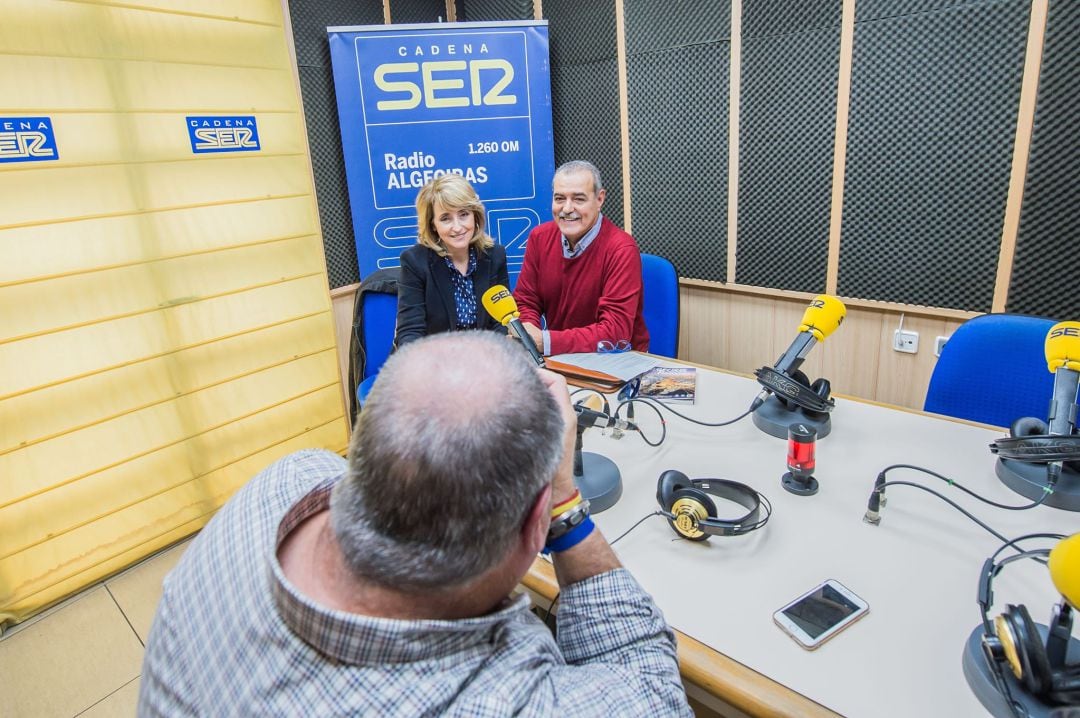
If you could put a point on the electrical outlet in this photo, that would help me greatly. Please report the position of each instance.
(939, 344)
(907, 342)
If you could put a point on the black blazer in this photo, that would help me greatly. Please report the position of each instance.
(426, 292)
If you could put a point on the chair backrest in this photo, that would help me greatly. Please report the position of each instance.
(372, 336)
(660, 284)
(380, 319)
(993, 370)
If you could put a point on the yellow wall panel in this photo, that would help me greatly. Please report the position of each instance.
(165, 325)
(46, 250)
(30, 195)
(251, 11)
(32, 418)
(52, 570)
(47, 27)
(154, 86)
(68, 84)
(37, 27)
(62, 355)
(98, 296)
(99, 347)
(172, 184)
(154, 430)
(59, 84)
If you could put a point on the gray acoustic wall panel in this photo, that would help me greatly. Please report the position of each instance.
(787, 125)
(677, 77)
(310, 18)
(403, 12)
(491, 10)
(880, 9)
(1047, 260)
(930, 138)
(585, 91)
(666, 25)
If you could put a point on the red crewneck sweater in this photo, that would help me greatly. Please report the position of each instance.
(594, 297)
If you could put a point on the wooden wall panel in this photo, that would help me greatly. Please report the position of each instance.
(741, 331)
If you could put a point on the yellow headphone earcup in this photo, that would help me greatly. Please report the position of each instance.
(1008, 646)
(689, 513)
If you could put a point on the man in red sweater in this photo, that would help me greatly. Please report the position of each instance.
(581, 272)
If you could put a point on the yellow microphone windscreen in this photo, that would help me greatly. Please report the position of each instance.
(1063, 346)
(823, 316)
(1064, 565)
(499, 303)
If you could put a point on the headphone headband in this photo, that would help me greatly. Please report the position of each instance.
(698, 517)
(1039, 448)
(1011, 639)
(793, 390)
(741, 494)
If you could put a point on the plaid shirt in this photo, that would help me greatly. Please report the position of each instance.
(232, 636)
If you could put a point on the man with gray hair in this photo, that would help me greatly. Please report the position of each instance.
(382, 586)
(581, 273)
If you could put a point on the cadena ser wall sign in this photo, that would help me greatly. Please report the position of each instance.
(418, 101)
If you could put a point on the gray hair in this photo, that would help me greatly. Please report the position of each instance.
(452, 448)
(580, 166)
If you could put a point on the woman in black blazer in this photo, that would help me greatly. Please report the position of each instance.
(453, 264)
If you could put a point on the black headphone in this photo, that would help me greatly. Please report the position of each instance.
(795, 390)
(1013, 640)
(1028, 441)
(692, 513)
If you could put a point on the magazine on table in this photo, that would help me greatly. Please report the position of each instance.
(669, 383)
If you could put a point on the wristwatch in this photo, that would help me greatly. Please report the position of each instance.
(566, 521)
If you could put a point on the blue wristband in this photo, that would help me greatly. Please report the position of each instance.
(571, 538)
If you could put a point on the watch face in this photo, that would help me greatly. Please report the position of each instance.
(569, 520)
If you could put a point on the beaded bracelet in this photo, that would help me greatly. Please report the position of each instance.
(565, 506)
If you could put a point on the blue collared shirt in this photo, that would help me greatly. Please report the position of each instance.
(464, 295)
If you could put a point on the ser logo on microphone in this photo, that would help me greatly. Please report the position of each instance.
(1065, 332)
(499, 296)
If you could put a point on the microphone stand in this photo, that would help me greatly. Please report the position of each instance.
(986, 686)
(596, 476)
(774, 418)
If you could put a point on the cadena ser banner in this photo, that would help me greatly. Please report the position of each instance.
(419, 101)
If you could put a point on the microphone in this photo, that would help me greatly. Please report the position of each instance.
(587, 417)
(500, 304)
(1062, 564)
(1063, 361)
(822, 317)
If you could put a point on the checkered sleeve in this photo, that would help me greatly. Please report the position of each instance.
(620, 651)
(163, 690)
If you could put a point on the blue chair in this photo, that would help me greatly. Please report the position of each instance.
(379, 321)
(993, 370)
(660, 283)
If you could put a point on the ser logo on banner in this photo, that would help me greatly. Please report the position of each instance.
(223, 134)
(27, 139)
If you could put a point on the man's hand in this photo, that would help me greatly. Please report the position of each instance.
(535, 334)
(562, 487)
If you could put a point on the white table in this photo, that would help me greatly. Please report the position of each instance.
(918, 570)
